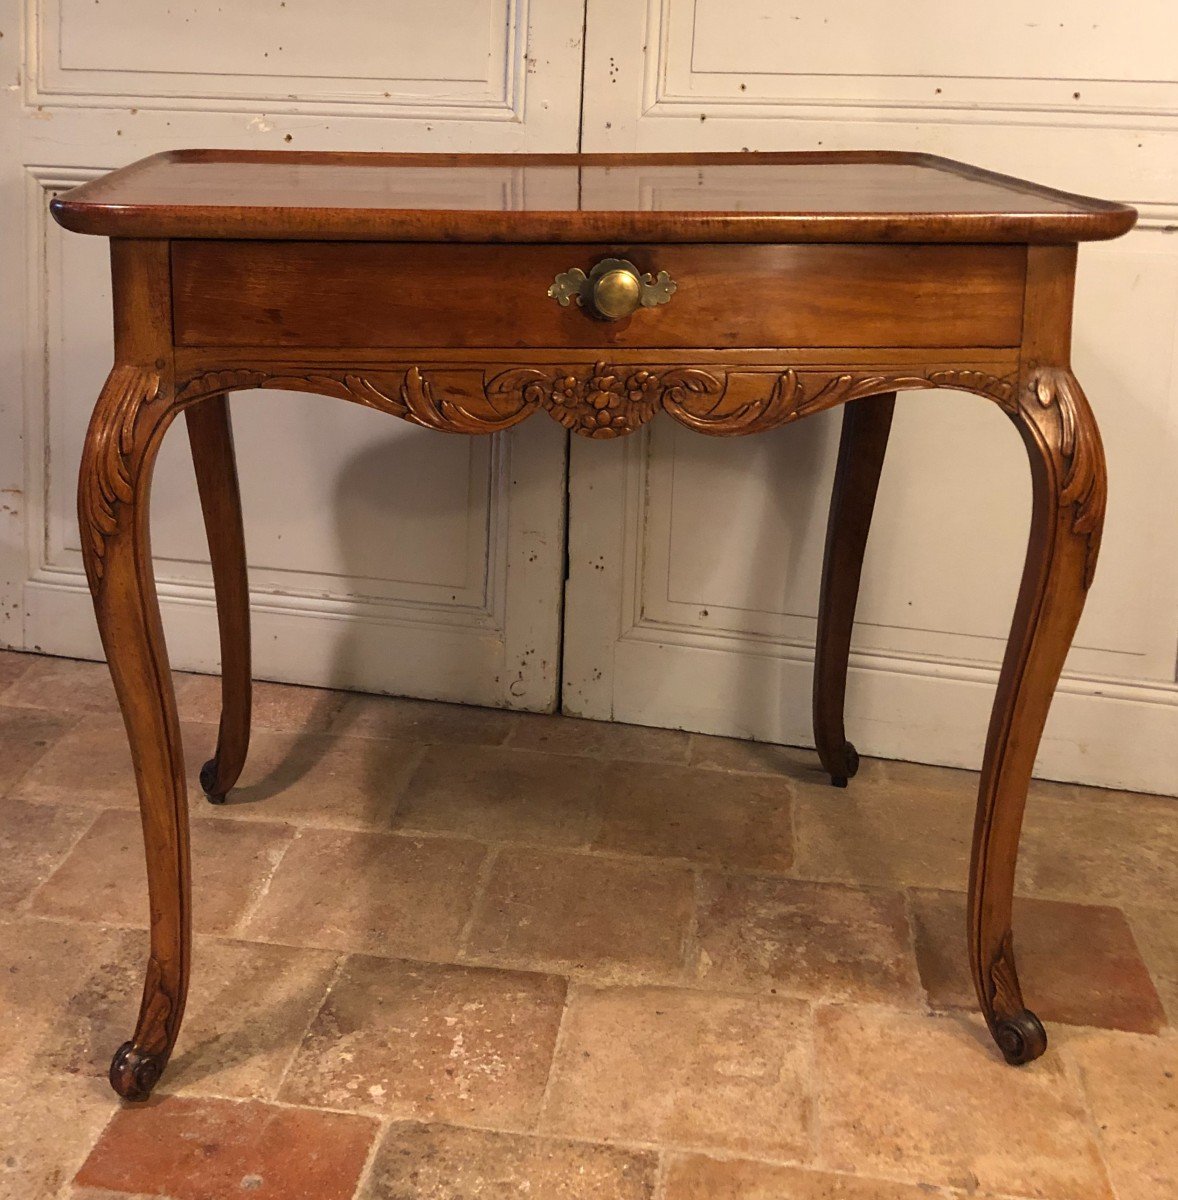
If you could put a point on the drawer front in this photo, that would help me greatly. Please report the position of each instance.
(357, 294)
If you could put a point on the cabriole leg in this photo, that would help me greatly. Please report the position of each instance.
(864, 441)
(210, 436)
(129, 421)
(1068, 476)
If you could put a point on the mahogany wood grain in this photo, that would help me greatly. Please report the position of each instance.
(210, 437)
(241, 293)
(862, 446)
(462, 338)
(865, 196)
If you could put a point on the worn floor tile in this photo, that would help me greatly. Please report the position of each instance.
(206, 1149)
(1077, 963)
(500, 794)
(68, 995)
(27, 735)
(1156, 933)
(91, 764)
(897, 775)
(77, 1192)
(929, 1099)
(883, 837)
(572, 735)
(1119, 850)
(555, 911)
(668, 1065)
(277, 706)
(374, 892)
(1132, 1089)
(105, 876)
(34, 839)
(13, 665)
(248, 1009)
(702, 816)
(74, 991)
(47, 1123)
(415, 1041)
(439, 1162)
(823, 940)
(697, 1177)
(422, 722)
(64, 685)
(757, 758)
(322, 780)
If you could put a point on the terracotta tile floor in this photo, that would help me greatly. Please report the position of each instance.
(448, 953)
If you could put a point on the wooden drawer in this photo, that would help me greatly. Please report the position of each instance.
(357, 294)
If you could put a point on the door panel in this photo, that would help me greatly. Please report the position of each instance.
(382, 556)
(687, 613)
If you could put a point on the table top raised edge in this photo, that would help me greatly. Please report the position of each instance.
(110, 207)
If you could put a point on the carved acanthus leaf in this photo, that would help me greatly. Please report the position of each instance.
(601, 400)
(1079, 454)
(107, 479)
(1005, 996)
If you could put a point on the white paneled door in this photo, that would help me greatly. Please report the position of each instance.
(394, 559)
(382, 556)
(694, 563)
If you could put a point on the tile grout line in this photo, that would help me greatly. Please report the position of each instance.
(70, 1173)
(24, 907)
(1074, 1072)
(815, 1122)
(1070, 1061)
(251, 909)
(384, 1124)
(334, 978)
(690, 949)
(715, 1151)
(482, 883)
(416, 760)
(662, 1174)
(794, 837)
(557, 1047)
(923, 999)
(74, 720)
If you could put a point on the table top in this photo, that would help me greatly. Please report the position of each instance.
(749, 197)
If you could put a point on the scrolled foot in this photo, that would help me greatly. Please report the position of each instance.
(133, 1073)
(1021, 1038)
(846, 767)
(208, 782)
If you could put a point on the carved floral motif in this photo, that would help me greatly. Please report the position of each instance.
(601, 400)
(596, 401)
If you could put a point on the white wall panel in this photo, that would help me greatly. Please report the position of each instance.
(382, 556)
(693, 611)
(467, 55)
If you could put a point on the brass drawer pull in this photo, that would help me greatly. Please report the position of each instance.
(613, 289)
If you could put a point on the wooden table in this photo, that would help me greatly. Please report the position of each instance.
(783, 285)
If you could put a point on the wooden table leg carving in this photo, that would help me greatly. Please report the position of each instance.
(133, 411)
(1068, 477)
(210, 435)
(236, 270)
(864, 441)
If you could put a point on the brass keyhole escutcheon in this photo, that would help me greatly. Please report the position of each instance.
(613, 289)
